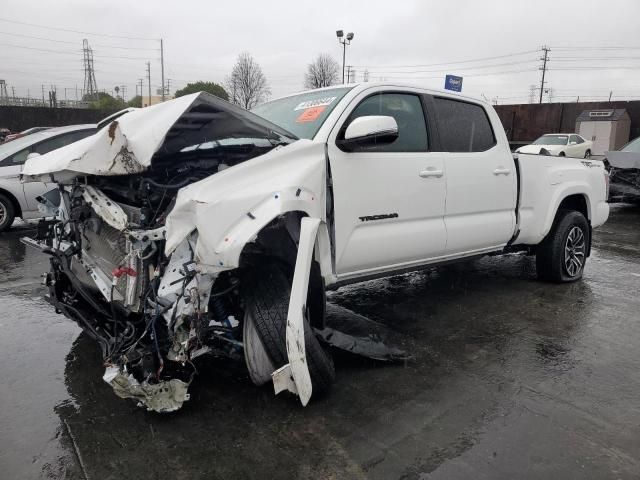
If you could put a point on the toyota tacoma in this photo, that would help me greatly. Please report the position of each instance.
(195, 227)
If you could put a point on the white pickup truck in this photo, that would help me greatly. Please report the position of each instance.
(196, 227)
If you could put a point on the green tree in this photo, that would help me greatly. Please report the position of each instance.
(104, 101)
(209, 87)
(135, 102)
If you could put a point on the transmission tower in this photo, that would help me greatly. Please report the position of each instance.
(90, 85)
(532, 93)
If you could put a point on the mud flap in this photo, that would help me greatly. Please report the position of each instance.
(294, 376)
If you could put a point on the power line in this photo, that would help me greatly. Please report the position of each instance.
(76, 31)
(449, 63)
(46, 50)
(378, 72)
(69, 42)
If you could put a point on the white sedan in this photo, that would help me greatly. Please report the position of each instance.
(561, 145)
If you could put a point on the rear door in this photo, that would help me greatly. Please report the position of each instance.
(480, 178)
(388, 199)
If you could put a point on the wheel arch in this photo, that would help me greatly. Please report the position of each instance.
(14, 201)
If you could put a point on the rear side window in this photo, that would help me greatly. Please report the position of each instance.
(463, 126)
(61, 141)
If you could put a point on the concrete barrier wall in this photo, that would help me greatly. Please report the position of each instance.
(17, 119)
(526, 122)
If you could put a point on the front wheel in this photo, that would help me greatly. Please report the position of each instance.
(7, 213)
(562, 255)
(267, 292)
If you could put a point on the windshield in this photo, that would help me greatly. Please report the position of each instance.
(632, 146)
(552, 140)
(302, 114)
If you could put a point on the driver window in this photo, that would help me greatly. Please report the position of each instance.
(408, 113)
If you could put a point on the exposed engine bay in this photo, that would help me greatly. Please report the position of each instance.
(151, 315)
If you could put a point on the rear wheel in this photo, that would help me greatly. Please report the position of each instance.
(562, 255)
(267, 293)
(7, 213)
(587, 154)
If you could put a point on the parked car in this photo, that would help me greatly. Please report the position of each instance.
(18, 199)
(196, 227)
(561, 145)
(24, 133)
(624, 173)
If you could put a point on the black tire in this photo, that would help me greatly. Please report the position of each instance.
(561, 154)
(587, 154)
(267, 292)
(7, 213)
(562, 255)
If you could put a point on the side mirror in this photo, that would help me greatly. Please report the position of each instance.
(33, 155)
(369, 130)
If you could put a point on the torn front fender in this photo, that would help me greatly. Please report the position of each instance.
(229, 209)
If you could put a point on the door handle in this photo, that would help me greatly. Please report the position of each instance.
(431, 172)
(501, 171)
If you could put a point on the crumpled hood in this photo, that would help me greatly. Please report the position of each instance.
(227, 209)
(623, 159)
(535, 149)
(128, 144)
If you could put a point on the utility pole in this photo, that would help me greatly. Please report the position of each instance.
(168, 87)
(149, 80)
(123, 89)
(545, 59)
(610, 95)
(161, 68)
(348, 74)
(141, 92)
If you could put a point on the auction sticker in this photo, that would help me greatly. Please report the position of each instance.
(310, 114)
(320, 102)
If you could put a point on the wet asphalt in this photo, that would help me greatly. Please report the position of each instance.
(511, 378)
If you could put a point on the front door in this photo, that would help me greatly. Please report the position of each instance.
(388, 199)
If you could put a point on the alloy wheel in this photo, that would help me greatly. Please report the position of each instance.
(574, 252)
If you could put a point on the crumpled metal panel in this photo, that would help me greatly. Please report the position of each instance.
(166, 396)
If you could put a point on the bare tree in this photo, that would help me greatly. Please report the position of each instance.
(247, 86)
(322, 72)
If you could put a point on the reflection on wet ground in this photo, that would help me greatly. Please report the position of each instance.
(511, 378)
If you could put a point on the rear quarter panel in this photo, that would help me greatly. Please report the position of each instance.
(546, 181)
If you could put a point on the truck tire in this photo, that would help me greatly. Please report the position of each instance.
(266, 294)
(562, 255)
(7, 213)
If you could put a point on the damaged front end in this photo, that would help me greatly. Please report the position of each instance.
(152, 312)
(151, 315)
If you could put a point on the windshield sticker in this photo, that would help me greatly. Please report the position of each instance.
(320, 102)
(310, 114)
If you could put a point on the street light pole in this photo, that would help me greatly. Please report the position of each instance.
(344, 41)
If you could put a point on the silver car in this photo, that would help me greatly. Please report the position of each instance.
(18, 199)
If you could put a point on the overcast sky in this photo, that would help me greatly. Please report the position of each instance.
(392, 40)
